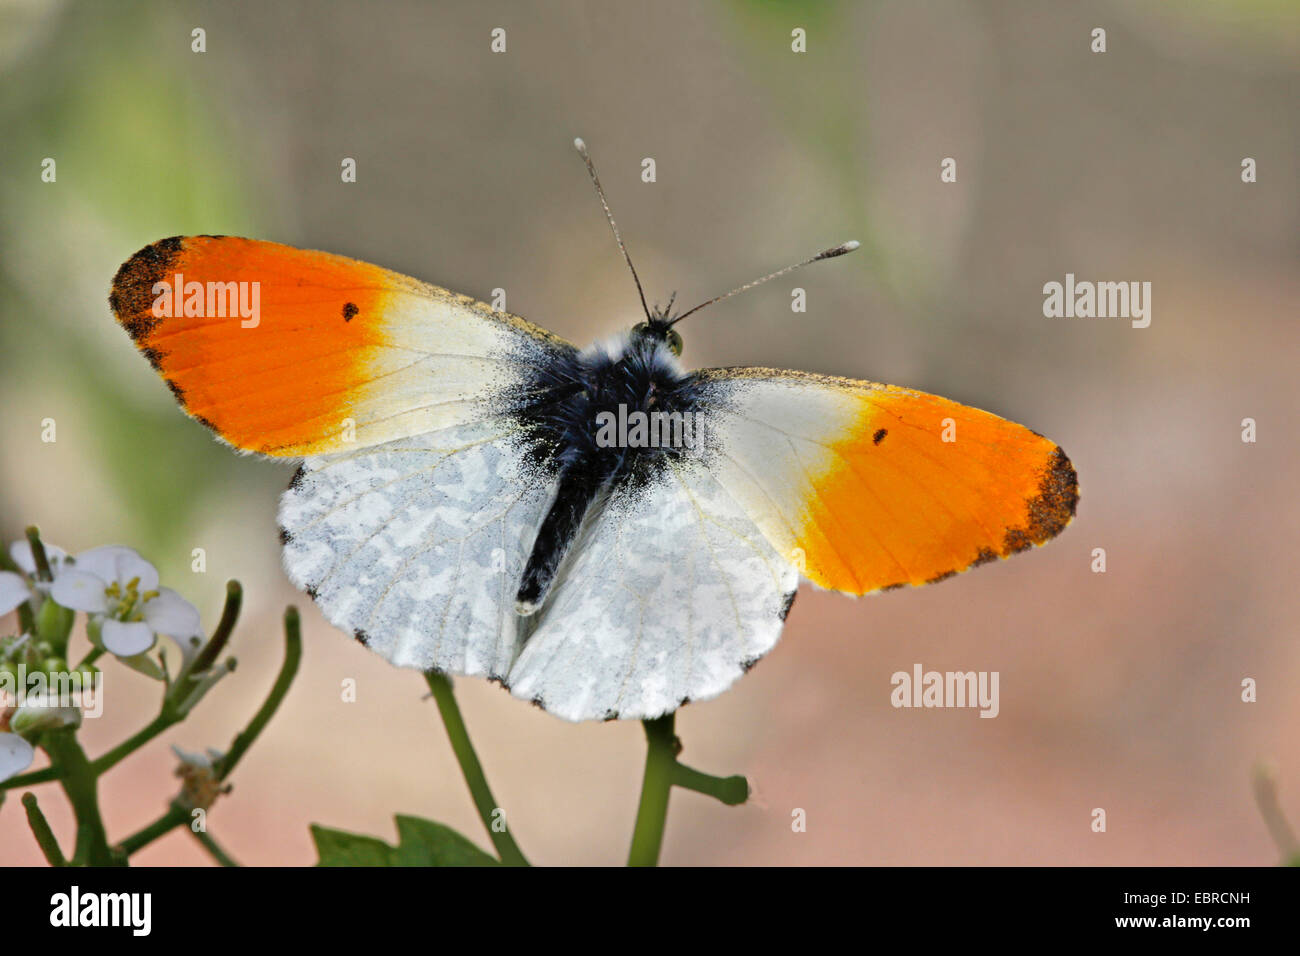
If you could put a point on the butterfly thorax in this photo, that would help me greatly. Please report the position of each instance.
(611, 418)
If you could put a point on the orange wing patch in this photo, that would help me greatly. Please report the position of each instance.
(867, 487)
(260, 342)
(921, 488)
(293, 353)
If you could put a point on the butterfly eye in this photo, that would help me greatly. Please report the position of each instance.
(675, 342)
(640, 328)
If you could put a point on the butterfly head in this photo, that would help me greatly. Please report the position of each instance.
(659, 329)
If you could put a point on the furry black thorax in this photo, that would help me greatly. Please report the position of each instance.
(559, 409)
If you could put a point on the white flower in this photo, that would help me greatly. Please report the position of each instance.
(16, 755)
(13, 591)
(15, 588)
(21, 552)
(121, 589)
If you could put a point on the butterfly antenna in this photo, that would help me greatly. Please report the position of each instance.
(826, 254)
(586, 158)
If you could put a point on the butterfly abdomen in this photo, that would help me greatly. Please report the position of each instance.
(578, 488)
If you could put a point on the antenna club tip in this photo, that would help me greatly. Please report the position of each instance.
(579, 145)
(839, 250)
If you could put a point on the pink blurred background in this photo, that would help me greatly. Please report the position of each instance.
(1118, 690)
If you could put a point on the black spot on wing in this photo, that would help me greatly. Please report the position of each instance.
(879, 436)
(349, 310)
(362, 638)
(296, 480)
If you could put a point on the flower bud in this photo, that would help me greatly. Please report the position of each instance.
(36, 715)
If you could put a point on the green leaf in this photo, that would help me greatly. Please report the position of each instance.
(419, 843)
(425, 843)
(339, 848)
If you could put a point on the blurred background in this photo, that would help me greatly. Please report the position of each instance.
(1118, 690)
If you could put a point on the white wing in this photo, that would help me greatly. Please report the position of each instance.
(416, 547)
(669, 595)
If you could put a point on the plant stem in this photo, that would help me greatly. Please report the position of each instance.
(213, 848)
(92, 655)
(288, 670)
(660, 770)
(41, 830)
(80, 782)
(172, 818)
(38, 554)
(221, 635)
(178, 814)
(171, 714)
(732, 791)
(31, 779)
(1271, 810)
(133, 743)
(507, 849)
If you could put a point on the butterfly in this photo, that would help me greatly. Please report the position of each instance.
(600, 530)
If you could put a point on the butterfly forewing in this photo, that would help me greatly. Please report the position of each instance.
(289, 352)
(868, 486)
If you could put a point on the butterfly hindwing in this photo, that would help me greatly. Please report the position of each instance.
(290, 353)
(416, 547)
(670, 595)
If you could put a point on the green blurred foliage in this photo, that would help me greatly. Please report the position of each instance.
(138, 158)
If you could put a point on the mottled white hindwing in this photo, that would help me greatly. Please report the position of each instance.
(669, 595)
(416, 547)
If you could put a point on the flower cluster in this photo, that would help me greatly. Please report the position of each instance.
(126, 612)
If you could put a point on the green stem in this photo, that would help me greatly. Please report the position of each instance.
(213, 848)
(171, 714)
(92, 655)
(41, 830)
(178, 814)
(221, 635)
(30, 779)
(288, 670)
(660, 771)
(38, 554)
(80, 782)
(507, 849)
(1270, 809)
(172, 818)
(732, 791)
(134, 742)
